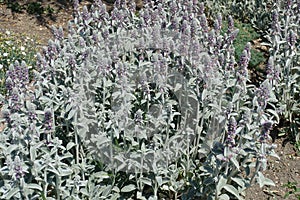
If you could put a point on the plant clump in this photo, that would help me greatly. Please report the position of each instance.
(144, 105)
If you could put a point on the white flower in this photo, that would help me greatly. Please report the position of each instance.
(5, 54)
(1, 66)
(22, 48)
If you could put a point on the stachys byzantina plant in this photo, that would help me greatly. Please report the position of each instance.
(146, 105)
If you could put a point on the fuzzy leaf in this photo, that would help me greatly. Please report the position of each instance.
(128, 188)
(232, 190)
(34, 186)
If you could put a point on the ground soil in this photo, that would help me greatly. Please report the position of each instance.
(282, 171)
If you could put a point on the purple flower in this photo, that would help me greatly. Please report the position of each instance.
(243, 64)
(24, 74)
(19, 172)
(270, 67)
(231, 132)
(71, 30)
(232, 36)
(230, 24)
(217, 26)
(275, 24)
(291, 38)
(230, 65)
(9, 84)
(263, 94)
(76, 5)
(6, 116)
(244, 59)
(146, 16)
(194, 27)
(174, 23)
(173, 8)
(265, 130)
(195, 49)
(288, 4)
(132, 6)
(201, 8)
(58, 33)
(212, 38)
(203, 23)
(48, 120)
(220, 20)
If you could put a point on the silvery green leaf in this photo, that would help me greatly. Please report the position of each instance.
(239, 181)
(235, 162)
(233, 191)
(145, 180)
(140, 196)
(34, 186)
(12, 193)
(224, 197)
(128, 188)
(101, 175)
(70, 145)
(221, 183)
(274, 113)
(159, 180)
(269, 182)
(65, 172)
(262, 180)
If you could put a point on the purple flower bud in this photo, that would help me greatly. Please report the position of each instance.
(231, 132)
(275, 16)
(270, 67)
(173, 8)
(9, 84)
(195, 49)
(194, 27)
(288, 4)
(76, 5)
(31, 116)
(48, 120)
(232, 36)
(174, 23)
(265, 130)
(24, 75)
(82, 43)
(6, 116)
(230, 24)
(220, 20)
(248, 48)
(201, 8)
(99, 3)
(212, 37)
(132, 6)
(217, 27)
(291, 38)
(203, 23)
(19, 172)
(242, 72)
(71, 30)
(58, 33)
(105, 33)
(231, 63)
(146, 16)
(244, 59)
(263, 94)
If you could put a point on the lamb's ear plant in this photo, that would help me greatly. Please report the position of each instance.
(283, 65)
(146, 106)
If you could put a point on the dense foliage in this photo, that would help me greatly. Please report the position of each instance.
(147, 105)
